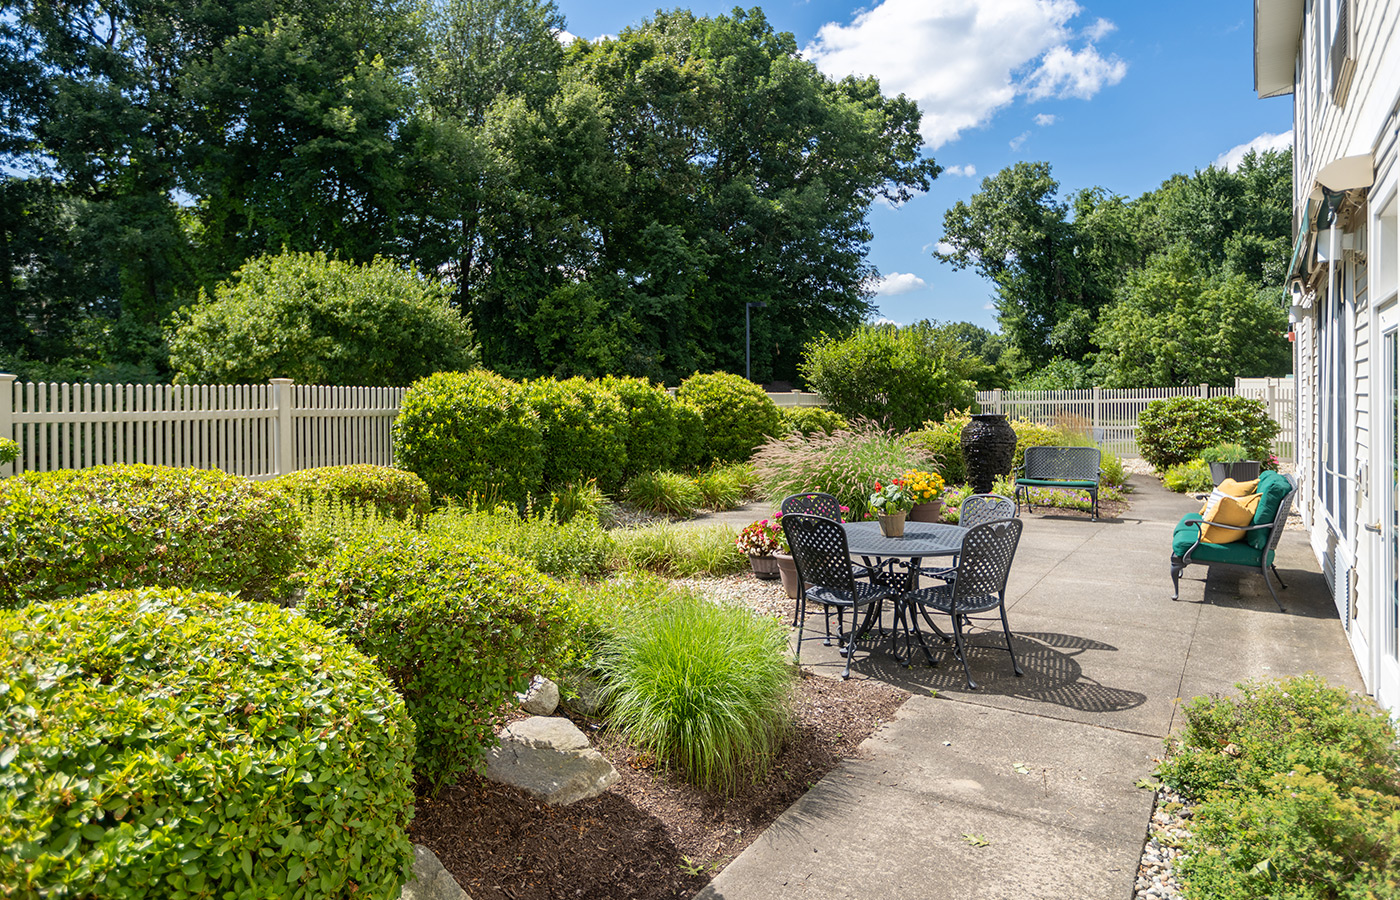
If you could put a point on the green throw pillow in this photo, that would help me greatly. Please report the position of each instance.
(1273, 487)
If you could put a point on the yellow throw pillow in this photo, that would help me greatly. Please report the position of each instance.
(1227, 510)
(1238, 488)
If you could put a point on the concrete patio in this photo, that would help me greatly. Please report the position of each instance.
(1027, 787)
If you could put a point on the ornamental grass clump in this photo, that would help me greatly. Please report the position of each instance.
(668, 493)
(726, 487)
(844, 464)
(678, 552)
(705, 687)
(164, 743)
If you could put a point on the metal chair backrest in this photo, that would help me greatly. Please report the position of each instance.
(1281, 517)
(978, 509)
(984, 563)
(813, 504)
(820, 551)
(1064, 463)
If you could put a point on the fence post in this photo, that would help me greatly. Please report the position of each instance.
(1098, 413)
(996, 399)
(1205, 390)
(282, 403)
(7, 415)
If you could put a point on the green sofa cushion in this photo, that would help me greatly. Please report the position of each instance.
(1273, 487)
(1055, 482)
(1237, 552)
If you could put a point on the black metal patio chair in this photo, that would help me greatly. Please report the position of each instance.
(984, 564)
(823, 560)
(975, 510)
(814, 503)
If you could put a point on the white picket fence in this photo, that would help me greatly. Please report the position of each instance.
(258, 430)
(1111, 415)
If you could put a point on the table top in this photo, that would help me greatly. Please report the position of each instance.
(921, 539)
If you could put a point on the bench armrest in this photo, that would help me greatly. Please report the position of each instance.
(1198, 523)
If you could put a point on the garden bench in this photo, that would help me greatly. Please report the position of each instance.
(1255, 549)
(1060, 467)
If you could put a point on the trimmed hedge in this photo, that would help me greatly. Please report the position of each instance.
(470, 433)
(70, 532)
(584, 427)
(393, 493)
(738, 415)
(691, 448)
(652, 433)
(1175, 431)
(808, 420)
(456, 627)
(173, 744)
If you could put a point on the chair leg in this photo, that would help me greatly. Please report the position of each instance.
(1272, 593)
(1094, 496)
(801, 623)
(850, 644)
(958, 649)
(1277, 578)
(1006, 629)
(914, 614)
(1177, 566)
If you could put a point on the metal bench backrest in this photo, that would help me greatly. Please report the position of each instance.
(1063, 463)
(1281, 517)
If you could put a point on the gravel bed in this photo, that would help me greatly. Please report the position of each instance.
(1171, 818)
(765, 597)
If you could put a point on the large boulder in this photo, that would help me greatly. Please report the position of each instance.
(550, 758)
(430, 881)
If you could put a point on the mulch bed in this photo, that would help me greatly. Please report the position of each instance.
(650, 836)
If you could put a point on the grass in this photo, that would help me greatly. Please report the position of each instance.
(846, 464)
(727, 487)
(678, 552)
(704, 687)
(668, 493)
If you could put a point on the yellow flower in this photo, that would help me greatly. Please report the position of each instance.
(924, 486)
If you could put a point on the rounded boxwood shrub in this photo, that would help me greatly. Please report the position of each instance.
(166, 743)
(808, 420)
(652, 433)
(585, 432)
(70, 532)
(393, 493)
(1175, 431)
(737, 413)
(456, 627)
(470, 433)
(691, 448)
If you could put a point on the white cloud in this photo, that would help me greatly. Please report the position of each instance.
(962, 60)
(1101, 29)
(565, 37)
(1044, 119)
(1230, 160)
(897, 283)
(944, 248)
(967, 171)
(883, 321)
(1016, 142)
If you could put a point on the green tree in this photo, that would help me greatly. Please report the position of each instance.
(1175, 324)
(321, 321)
(896, 377)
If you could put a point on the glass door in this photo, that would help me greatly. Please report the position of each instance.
(1386, 528)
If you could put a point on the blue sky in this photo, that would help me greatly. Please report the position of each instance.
(1117, 94)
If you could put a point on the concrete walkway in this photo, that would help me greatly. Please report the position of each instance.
(1026, 788)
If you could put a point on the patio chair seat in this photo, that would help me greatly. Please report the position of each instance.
(1057, 482)
(1238, 553)
(940, 597)
(865, 593)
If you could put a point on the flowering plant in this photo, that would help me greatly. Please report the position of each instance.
(763, 538)
(924, 486)
(891, 498)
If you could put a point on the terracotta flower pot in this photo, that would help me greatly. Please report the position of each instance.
(931, 511)
(787, 567)
(892, 525)
(765, 567)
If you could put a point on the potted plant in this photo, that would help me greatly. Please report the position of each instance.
(787, 567)
(1230, 461)
(927, 491)
(759, 541)
(891, 503)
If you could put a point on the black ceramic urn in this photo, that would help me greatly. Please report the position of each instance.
(989, 447)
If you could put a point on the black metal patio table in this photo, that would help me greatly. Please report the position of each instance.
(882, 555)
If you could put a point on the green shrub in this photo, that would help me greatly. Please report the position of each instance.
(71, 532)
(738, 415)
(9, 451)
(669, 493)
(393, 493)
(727, 487)
(173, 744)
(691, 449)
(941, 442)
(846, 464)
(318, 320)
(585, 432)
(1175, 431)
(328, 523)
(456, 627)
(577, 548)
(1224, 453)
(573, 500)
(898, 378)
(808, 420)
(470, 434)
(1188, 478)
(652, 432)
(679, 551)
(705, 687)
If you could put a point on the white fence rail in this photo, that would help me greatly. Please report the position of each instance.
(258, 430)
(1111, 415)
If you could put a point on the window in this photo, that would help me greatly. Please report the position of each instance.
(1333, 408)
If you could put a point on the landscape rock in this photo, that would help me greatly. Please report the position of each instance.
(542, 699)
(430, 881)
(589, 695)
(550, 758)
